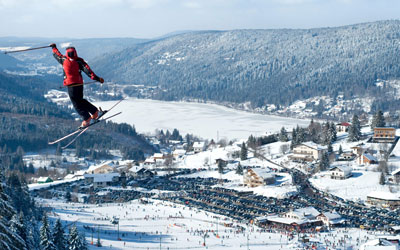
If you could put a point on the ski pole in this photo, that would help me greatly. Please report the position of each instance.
(74, 85)
(22, 50)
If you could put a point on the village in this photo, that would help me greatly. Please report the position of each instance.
(306, 188)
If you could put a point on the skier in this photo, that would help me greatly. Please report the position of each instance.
(72, 66)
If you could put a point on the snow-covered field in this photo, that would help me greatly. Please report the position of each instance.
(164, 225)
(354, 188)
(204, 120)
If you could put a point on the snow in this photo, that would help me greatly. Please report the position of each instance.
(54, 183)
(384, 195)
(144, 226)
(205, 120)
(357, 187)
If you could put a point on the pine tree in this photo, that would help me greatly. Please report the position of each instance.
(18, 226)
(333, 132)
(58, 236)
(382, 179)
(68, 196)
(330, 148)
(283, 136)
(243, 152)
(340, 150)
(239, 169)
(45, 235)
(221, 166)
(324, 162)
(74, 241)
(59, 150)
(355, 129)
(378, 120)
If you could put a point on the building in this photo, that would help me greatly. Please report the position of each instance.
(358, 150)
(382, 134)
(340, 172)
(198, 147)
(142, 173)
(256, 177)
(384, 199)
(149, 162)
(102, 180)
(343, 127)
(308, 151)
(42, 180)
(347, 156)
(331, 219)
(379, 244)
(395, 176)
(178, 153)
(101, 169)
(367, 159)
(298, 219)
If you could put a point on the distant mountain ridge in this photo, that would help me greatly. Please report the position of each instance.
(262, 66)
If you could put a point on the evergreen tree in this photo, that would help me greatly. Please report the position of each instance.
(333, 132)
(382, 179)
(243, 152)
(46, 242)
(378, 120)
(239, 169)
(75, 242)
(324, 162)
(283, 136)
(9, 239)
(17, 226)
(340, 150)
(59, 150)
(58, 236)
(221, 166)
(355, 129)
(68, 196)
(330, 148)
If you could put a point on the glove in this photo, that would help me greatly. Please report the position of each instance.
(101, 80)
(53, 45)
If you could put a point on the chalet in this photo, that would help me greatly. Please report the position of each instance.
(358, 150)
(346, 156)
(297, 219)
(395, 176)
(142, 173)
(380, 244)
(384, 199)
(367, 159)
(382, 134)
(149, 162)
(178, 153)
(101, 169)
(198, 147)
(42, 180)
(340, 172)
(102, 180)
(308, 151)
(342, 127)
(331, 219)
(255, 177)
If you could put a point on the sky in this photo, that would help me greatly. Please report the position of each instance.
(153, 18)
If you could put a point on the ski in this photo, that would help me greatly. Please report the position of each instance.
(83, 130)
(80, 129)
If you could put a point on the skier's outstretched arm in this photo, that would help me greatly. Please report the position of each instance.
(88, 71)
(57, 54)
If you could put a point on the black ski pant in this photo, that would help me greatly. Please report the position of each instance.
(82, 106)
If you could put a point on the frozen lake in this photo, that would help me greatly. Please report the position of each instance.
(204, 120)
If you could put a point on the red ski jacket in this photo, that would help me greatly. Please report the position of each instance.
(73, 66)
